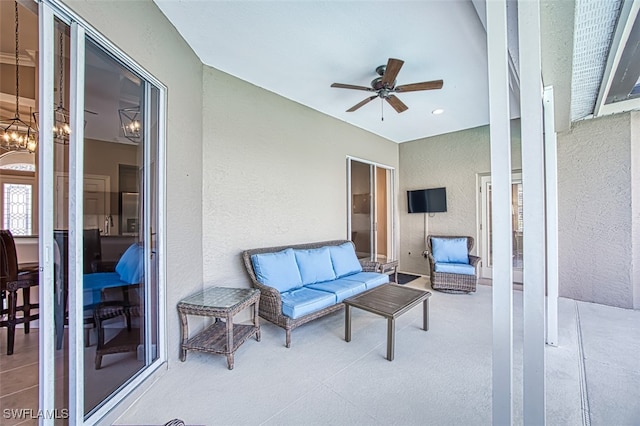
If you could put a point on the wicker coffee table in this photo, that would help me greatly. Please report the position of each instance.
(221, 337)
(389, 301)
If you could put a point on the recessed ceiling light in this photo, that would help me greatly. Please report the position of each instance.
(437, 111)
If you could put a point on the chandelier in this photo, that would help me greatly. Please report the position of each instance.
(130, 123)
(61, 127)
(15, 134)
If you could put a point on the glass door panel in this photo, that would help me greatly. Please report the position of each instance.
(517, 227)
(62, 277)
(371, 210)
(361, 208)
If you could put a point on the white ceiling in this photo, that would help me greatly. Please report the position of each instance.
(297, 49)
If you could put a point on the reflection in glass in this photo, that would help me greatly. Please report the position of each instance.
(361, 210)
(120, 277)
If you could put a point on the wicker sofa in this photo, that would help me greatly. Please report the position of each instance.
(453, 277)
(311, 286)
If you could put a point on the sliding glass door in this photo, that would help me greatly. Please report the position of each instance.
(101, 245)
(485, 246)
(371, 218)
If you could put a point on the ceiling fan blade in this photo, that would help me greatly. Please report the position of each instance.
(351, 86)
(391, 71)
(425, 85)
(396, 103)
(366, 101)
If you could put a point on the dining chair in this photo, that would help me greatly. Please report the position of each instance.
(12, 280)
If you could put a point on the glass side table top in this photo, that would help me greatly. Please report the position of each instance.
(219, 297)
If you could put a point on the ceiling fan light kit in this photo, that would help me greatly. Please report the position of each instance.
(385, 86)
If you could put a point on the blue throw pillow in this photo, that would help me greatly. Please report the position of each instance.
(450, 250)
(315, 265)
(278, 270)
(344, 259)
(130, 267)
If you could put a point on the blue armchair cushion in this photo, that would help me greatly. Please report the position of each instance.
(130, 267)
(450, 250)
(344, 259)
(302, 301)
(278, 270)
(315, 265)
(455, 268)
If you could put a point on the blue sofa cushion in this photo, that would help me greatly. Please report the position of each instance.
(302, 301)
(369, 279)
(344, 259)
(314, 265)
(130, 267)
(455, 268)
(278, 270)
(341, 287)
(450, 250)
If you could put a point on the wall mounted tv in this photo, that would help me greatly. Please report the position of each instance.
(432, 200)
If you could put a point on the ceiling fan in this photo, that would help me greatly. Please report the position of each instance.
(385, 86)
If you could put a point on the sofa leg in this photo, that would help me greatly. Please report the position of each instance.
(288, 338)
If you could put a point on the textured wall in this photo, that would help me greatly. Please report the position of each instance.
(453, 160)
(594, 212)
(274, 173)
(635, 206)
(142, 31)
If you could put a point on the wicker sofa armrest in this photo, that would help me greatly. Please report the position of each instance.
(369, 265)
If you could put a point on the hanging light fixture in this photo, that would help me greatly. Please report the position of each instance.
(15, 134)
(61, 127)
(130, 122)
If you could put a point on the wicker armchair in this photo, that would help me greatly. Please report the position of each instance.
(449, 282)
(270, 307)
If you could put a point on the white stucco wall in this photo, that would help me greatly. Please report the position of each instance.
(452, 160)
(594, 211)
(635, 206)
(274, 173)
(143, 32)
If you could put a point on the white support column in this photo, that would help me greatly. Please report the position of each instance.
(551, 186)
(76, 225)
(533, 200)
(46, 388)
(500, 132)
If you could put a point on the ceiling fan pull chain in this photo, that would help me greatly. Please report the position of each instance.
(381, 110)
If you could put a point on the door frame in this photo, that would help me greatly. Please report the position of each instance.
(391, 225)
(48, 11)
(486, 270)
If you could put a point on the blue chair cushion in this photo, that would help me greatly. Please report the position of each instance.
(369, 279)
(130, 267)
(278, 270)
(302, 301)
(455, 268)
(344, 259)
(93, 284)
(314, 265)
(450, 250)
(341, 287)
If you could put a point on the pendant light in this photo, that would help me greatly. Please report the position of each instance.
(15, 134)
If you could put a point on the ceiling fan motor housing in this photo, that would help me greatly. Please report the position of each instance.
(377, 84)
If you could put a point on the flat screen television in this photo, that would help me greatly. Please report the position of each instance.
(432, 200)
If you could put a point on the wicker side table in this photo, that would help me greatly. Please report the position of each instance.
(221, 337)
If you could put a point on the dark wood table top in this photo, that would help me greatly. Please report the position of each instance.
(388, 300)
